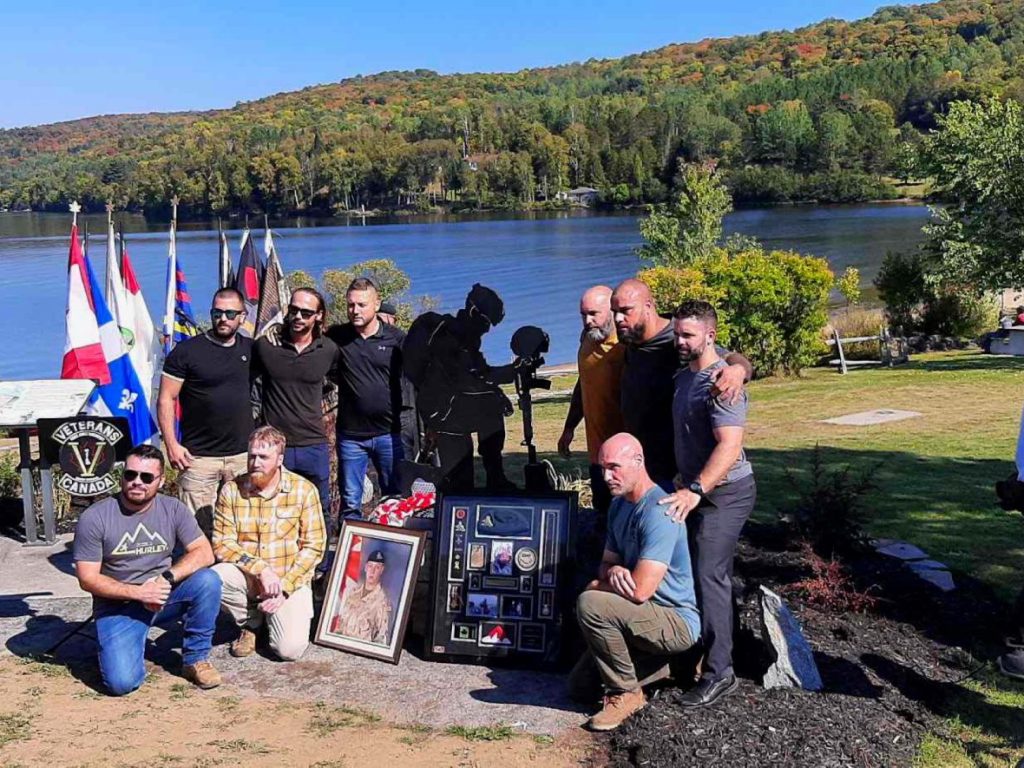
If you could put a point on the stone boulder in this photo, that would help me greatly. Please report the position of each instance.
(793, 663)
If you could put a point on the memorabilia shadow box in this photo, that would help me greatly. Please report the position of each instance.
(503, 573)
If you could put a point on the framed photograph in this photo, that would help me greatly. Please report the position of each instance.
(501, 558)
(482, 606)
(516, 607)
(477, 556)
(369, 594)
(498, 634)
(509, 557)
(455, 601)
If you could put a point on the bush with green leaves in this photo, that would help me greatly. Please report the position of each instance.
(917, 302)
(772, 305)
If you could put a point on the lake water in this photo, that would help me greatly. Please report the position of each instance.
(539, 264)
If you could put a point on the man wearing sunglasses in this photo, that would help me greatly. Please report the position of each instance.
(293, 373)
(208, 376)
(123, 558)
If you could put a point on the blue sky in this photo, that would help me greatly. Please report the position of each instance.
(62, 60)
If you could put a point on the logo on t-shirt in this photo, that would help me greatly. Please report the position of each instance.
(141, 542)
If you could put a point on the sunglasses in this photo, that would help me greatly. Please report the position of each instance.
(305, 314)
(146, 477)
(230, 314)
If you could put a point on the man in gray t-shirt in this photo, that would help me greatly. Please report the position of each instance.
(123, 557)
(716, 489)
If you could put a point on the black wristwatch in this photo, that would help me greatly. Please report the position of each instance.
(168, 577)
(696, 487)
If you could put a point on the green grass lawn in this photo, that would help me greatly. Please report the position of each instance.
(934, 476)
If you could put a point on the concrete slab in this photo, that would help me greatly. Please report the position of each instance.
(40, 603)
(935, 573)
(869, 418)
(900, 550)
(37, 571)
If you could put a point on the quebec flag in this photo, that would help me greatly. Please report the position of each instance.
(123, 395)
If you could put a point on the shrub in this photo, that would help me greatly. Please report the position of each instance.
(772, 305)
(10, 477)
(828, 512)
(916, 304)
(775, 184)
(829, 588)
(901, 286)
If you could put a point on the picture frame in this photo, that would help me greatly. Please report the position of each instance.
(510, 556)
(369, 615)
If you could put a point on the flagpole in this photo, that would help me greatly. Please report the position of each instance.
(111, 253)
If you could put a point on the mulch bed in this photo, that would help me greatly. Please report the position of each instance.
(890, 674)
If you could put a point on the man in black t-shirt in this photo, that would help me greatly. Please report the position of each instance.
(208, 376)
(651, 363)
(293, 373)
(369, 395)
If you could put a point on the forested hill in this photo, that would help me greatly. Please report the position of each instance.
(820, 112)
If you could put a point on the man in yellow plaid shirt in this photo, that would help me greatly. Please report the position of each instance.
(268, 536)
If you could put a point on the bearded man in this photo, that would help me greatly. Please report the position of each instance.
(596, 398)
(269, 535)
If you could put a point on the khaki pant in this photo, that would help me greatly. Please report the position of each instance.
(199, 484)
(628, 644)
(288, 627)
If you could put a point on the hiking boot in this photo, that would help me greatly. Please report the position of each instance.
(244, 645)
(617, 707)
(1012, 664)
(202, 674)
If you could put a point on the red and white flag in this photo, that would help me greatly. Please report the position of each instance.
(83, 351)
(139, 323)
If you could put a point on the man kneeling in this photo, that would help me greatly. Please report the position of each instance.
(268, 533)
(123, 548)
(642, 607)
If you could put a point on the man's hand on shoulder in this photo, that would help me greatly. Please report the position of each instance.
(273, 334)
(728, 382)
(680, 504)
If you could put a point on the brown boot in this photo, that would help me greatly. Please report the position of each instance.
(203, 674)
(617, 707)
(244, 645)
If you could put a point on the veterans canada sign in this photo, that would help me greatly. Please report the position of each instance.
(86, 449)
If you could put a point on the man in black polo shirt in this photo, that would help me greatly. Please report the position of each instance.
(208, 375)
(293, 374)
(369, 395)
(648, 375)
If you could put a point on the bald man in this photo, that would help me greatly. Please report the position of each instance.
(647, 385)
(642, 607)
(595, 399)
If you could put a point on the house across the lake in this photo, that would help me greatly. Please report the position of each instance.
(581, 196)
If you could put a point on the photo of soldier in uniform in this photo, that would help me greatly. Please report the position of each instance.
(369, 595)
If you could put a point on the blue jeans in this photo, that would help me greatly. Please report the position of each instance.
(121, 630)
(313, 462)
(354, 453)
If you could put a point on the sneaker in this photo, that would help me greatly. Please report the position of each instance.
(1012, 664)
(203, 674)
(244, 645)
(617, 708)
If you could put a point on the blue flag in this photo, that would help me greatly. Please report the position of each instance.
(124, 395)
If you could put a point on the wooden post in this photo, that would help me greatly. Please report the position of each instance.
(839, 346)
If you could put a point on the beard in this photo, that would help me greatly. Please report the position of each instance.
(260, 480)
(634, 334)
(601, 333)
(692, 354)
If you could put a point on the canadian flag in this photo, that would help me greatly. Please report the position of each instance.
(83, 351)
(349, 578)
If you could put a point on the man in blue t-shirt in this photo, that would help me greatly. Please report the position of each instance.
(642, 608)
